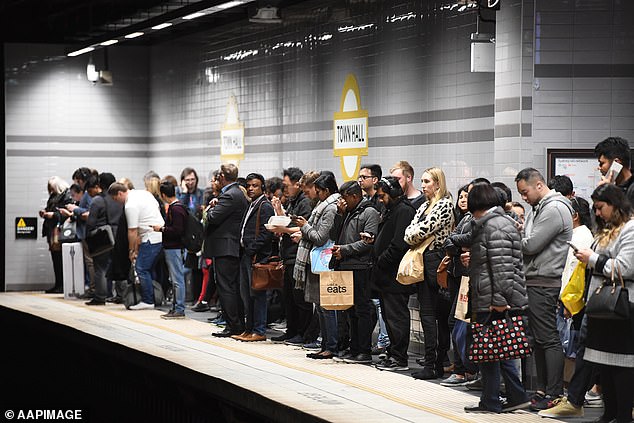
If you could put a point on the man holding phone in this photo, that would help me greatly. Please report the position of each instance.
(613, 154)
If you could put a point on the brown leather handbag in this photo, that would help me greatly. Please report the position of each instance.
(268, 275)
(442, 272)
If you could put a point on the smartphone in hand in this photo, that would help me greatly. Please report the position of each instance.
(615, 169)
(573, 246)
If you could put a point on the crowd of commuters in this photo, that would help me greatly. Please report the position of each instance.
(516, 261)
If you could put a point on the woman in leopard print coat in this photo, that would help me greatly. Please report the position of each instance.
(435, 217)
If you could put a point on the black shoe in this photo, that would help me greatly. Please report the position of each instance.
(225, 334)
(360, 358)
(478, 409)
(343, 356)
(426, 373)
(200, 307)
(280, 338)
(54, 290)
(95, 302)
(88, 295)
(114, 300)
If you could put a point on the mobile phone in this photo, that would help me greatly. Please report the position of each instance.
(573, 246)
(293, 217)
(615, 168)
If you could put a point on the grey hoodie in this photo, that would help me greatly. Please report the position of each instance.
(548, 227)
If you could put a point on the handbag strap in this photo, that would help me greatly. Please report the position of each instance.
(257, 226)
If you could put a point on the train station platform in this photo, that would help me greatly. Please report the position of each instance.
(121, 365)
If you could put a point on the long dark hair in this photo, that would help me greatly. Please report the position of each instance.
(615, 197)
(327, 182)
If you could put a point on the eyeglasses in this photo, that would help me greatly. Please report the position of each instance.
(364, 176)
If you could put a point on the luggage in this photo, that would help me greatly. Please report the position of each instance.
(73, 269)
(132, 291)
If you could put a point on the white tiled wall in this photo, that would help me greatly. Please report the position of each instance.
(56, 121)
(163, 113)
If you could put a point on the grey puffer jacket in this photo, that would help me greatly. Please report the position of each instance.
(496, 253)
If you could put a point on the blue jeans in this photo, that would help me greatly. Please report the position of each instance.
(143, 265)
(515, 392)
(174, 261)
(383, 339)
(253, 302)
(329, 329)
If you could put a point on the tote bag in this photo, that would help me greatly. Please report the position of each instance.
(336, 290)
(100, 240)
(572, 295)
(320, 257)
(462, 302)
(411, 269)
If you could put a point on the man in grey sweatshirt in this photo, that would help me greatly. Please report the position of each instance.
(547, 230)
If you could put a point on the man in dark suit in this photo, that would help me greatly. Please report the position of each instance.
(255, 243)
(222, 244)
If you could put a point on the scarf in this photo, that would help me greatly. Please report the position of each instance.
(302, 259)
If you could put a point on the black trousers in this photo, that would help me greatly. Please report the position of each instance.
(299, 313)
(56, 256)
(395, 310)
(434, 313)
(360, 315)
(617, 386)
(227, 275)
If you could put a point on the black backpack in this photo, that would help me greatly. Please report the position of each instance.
(193, 235)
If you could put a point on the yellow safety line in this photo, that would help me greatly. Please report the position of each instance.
(285, 364)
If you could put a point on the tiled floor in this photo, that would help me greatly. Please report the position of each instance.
(333, 391)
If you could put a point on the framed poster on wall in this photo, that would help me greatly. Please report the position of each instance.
(580, 165)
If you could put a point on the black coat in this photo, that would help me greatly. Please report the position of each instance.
(496, 267)
(222, 229)
(260, 245)
(54, 202)
(390, 247)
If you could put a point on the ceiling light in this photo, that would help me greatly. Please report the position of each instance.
(229, 4)
(193, 16)
(91, 71)
(134, 35)
(82, 51)
(109, 42)
(161, 26)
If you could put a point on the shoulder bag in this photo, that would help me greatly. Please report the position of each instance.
(269, 275)
(100, 240)
(610, 301)
(411, 269)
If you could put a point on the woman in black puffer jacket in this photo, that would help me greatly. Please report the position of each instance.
(497, 285)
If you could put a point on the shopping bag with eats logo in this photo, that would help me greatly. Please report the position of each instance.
(336, 290)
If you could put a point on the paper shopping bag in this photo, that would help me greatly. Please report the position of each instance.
(336, 290)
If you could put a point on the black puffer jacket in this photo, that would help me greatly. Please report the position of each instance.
(497, 251)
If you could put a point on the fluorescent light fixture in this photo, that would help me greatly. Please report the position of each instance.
(229, 4)
(134, 35)
(109, 42)
(161, 26)
(193, 16)
(81, 51)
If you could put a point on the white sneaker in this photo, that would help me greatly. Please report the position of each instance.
(142, 306)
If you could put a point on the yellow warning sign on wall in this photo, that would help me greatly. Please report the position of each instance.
(26, 228)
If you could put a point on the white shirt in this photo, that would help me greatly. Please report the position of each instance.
(142, 212)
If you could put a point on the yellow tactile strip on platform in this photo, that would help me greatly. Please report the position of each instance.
(333, 391)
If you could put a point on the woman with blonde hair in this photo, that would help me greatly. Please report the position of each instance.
(435, 217)
(58, 197)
